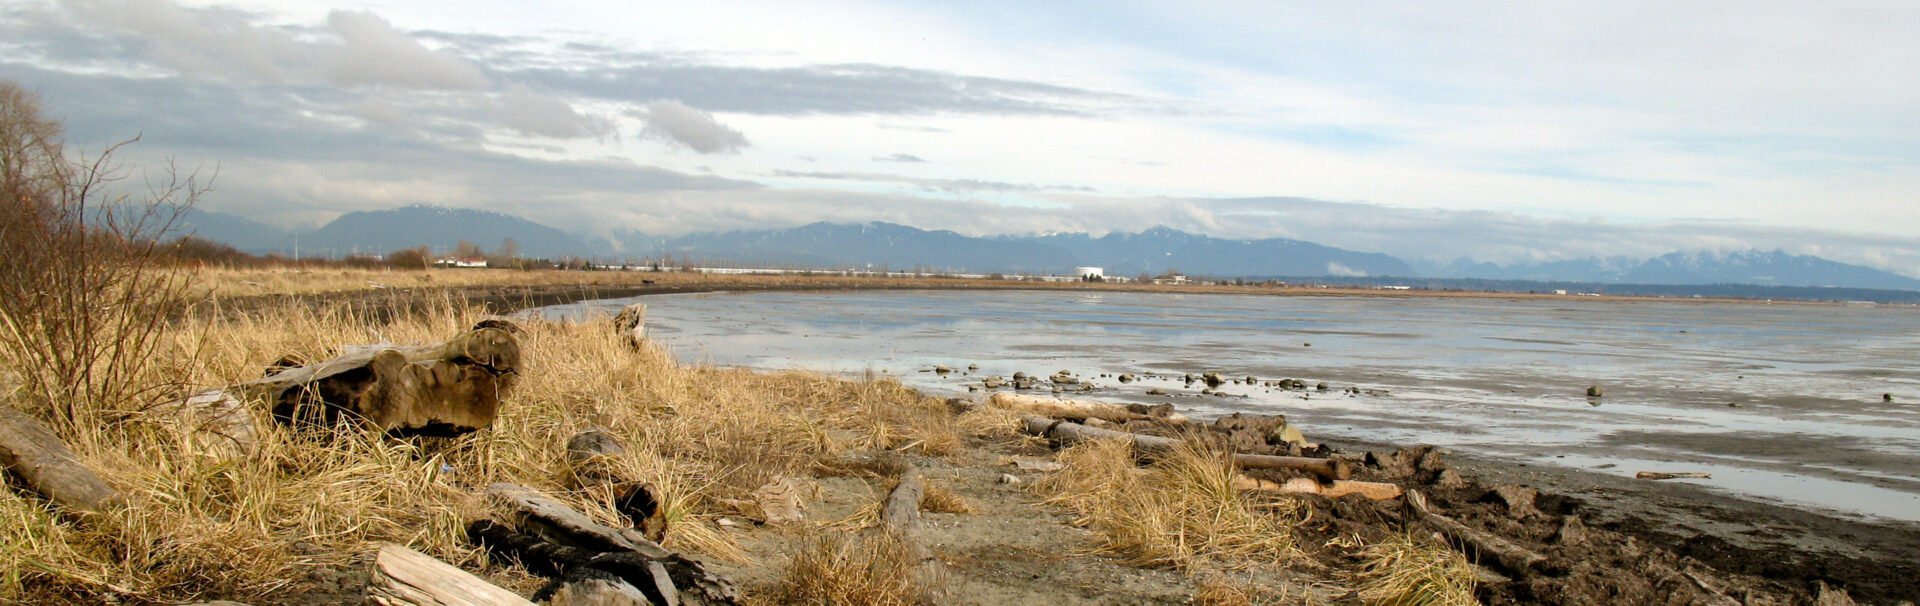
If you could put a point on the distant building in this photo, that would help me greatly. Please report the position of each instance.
(1091, 274)
(1175, 279)
(461, 262)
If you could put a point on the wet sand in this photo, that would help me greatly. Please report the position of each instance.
(1813, 474)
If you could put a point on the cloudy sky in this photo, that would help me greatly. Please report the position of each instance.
(1497, 131)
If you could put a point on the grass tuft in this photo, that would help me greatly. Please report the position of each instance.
(1182, 511)
(872, 568)
(1407, 571)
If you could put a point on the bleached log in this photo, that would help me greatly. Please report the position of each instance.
(404, 577)
(31, 451)
(1378, 491)
(1069, 432)
(1505, 553)
(441, 389)
(1076, 409)
(214, 422)
(1664, 475)
(632, 323)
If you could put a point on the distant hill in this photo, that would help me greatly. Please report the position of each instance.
(1162, 249)
(1763, 268)
(896, 247)
(901, 247)
(438, 227)
(239, 232)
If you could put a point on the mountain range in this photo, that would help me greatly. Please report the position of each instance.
(1154, 251)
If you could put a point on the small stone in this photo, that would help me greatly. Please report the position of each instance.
(1572, 531)
(1156, 392)
(1886, 397)
(1009, 479)
(1594, 391)
(1449, 478)
(1322, 386)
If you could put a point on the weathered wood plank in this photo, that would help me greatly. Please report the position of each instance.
(47, 466)
(404, 577)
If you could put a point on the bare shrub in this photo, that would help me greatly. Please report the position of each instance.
(86, 287)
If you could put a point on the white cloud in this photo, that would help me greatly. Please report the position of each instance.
(677, 123)
(529, 112)
(376, 54)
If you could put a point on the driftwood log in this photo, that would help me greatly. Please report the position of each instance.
(1378, 491)
(1083, 409)
(443, 389)
(1507, 554)
(593, 458)
(632, 323)
(572, 538)
(900, 515)
(1069, 432)
(404, 577)
(214, 422)
(1672, 475)
(33, 453)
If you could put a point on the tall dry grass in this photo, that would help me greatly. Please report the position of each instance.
(1180, 511)
(198, 526)
(1406, 570)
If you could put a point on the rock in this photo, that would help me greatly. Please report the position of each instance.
(1449, 478)
(1065, 380)
(938, 369)
(1009, 479)
(1029, 464)
(1252, 381)
(1596, 392)
(1322, 386)
(1518, 499)
(1156, 392)
(1258, 433)
(1886, 397)
(992, 382)
(1019, 376)
(973, 367)
(973, 388)
(779, 501)
(1572, 531)
(1213, 379)
(1827, 595)
(1126, 378)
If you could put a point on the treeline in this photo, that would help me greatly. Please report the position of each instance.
(201, 252)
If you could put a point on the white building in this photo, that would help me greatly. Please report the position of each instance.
(1090, 274)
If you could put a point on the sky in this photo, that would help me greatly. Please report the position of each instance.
(1504, 132)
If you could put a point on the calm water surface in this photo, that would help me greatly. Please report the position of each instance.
(1779, 402)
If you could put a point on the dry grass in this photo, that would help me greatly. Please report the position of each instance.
(1223, 590)
(197, 526)
(1407, 571)
(1181, 511)
(870, 569)
(939, 499)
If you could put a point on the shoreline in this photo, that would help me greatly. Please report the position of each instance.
(507, 296)
(1728, 532)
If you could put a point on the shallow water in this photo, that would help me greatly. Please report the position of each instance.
(1781, 403)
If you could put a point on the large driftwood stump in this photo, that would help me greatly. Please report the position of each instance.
(567, 531)
(632, 323)
(404, 577)
(445, 389)
(1507, 554)
(31, 451)
(1068, 432)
